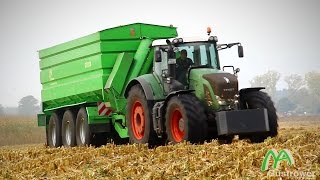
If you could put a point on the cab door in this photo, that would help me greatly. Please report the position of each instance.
(161, 67)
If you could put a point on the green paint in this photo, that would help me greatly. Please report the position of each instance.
(147, 66)
(41, 120)
(121, 105)
(155, 86)
(140, 58)
(94, 118)
(197, 83)
(118, 121)
(117, 76)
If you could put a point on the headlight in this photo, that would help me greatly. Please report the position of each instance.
(221, 102)
(208, 96)
(168, 80)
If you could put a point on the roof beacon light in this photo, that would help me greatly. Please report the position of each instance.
(209, 30)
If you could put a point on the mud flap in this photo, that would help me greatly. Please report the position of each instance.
(42, 119)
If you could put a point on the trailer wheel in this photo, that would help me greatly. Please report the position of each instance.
(54, 130)
(256, 100)
(83, 134)
(68, 129)
(186, 120)
(139, 119)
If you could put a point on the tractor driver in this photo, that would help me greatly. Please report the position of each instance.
(182, 65)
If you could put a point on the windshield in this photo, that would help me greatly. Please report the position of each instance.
(201, 53)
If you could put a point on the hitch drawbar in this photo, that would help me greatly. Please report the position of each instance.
(242, 121)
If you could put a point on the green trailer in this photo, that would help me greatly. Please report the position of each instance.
(128, 83)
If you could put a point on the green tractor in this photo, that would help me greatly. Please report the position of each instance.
(199, 103)
(141, 83)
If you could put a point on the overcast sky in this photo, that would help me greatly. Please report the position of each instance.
(276, 35)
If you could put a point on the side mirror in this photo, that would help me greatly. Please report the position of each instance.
(240, 51)
(237, 70)
(158, 56)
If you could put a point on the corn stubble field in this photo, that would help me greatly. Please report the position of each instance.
(239, 160)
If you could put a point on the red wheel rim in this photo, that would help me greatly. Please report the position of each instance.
(177, 125)
(137, 120)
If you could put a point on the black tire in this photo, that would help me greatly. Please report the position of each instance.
(225, 139)
(139, 117)
(99, 139)
(83, 133)
(186, 119)
(54, 131)
(256, 100)
(68, 129)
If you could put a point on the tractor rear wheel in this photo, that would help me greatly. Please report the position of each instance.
(256, 100)
(186, 119)
(139, 117)
(54, 130)
(68, 129)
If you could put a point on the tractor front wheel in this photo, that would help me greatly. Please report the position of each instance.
(185, 120)
(256, 100)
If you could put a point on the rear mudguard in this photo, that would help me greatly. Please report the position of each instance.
(150, 86)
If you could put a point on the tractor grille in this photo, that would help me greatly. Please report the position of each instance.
(224, 85)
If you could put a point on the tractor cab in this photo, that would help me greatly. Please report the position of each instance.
(175, 58)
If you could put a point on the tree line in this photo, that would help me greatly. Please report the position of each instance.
(27, 105)
(302, 95)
